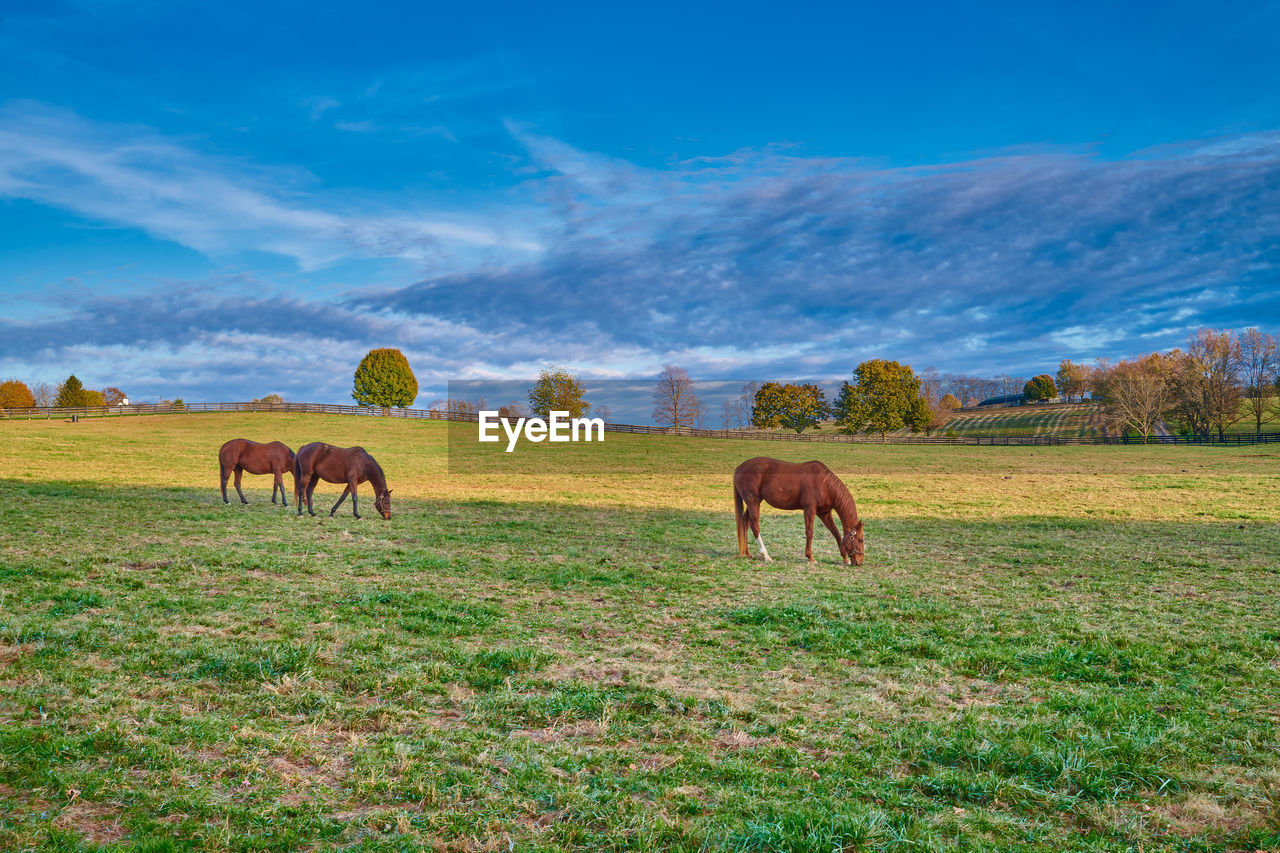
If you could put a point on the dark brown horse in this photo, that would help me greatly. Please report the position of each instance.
(351, 465)
(241, 454)
(809, 486)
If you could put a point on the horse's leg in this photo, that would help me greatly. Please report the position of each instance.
(239, 472)
(224, 474)
(311, 490)
(740, 520)
(355, 507)
(299, 488)
(277, 483)
(345, 492)
(831, 525)
(808, 533)
(753, 519)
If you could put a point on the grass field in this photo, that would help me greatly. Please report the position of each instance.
(1062, 419)
(1247, 424)
(1048, 648)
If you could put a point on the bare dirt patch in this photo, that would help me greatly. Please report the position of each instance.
(97, 822)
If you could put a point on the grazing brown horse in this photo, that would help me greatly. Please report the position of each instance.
(351, 465)
(809, 486)
(241, 454)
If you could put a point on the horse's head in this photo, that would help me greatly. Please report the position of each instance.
(853, 544)
(383, 504)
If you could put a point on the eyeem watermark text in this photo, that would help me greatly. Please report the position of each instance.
(557, 427)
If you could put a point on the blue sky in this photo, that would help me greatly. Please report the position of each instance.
(225, 201)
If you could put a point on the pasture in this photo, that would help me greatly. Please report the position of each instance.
(1048, 648)
(1067, 420)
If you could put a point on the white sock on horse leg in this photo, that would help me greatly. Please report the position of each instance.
(764, 552)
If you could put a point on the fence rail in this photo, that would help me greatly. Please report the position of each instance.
(65, 413)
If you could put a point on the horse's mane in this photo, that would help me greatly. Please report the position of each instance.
(841, 501)
(374, 463)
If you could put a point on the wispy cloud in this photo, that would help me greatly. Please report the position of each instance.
(763, 263)
(1016, 254)
(134, 177)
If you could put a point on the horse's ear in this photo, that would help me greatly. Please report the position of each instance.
(858, 526)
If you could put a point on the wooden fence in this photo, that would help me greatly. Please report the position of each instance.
(68, 413)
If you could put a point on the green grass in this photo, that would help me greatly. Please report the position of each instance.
(1048, 648)
(1068, 420)
(1247, 423)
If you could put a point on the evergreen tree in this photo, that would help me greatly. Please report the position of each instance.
(71, 393)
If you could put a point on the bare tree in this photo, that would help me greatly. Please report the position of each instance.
(44, 394)
(931, 385)
(939, 414)
(735, 414)
(1259, 368)
(604, 413)
(674, 402)
(1136, 394)
(700, 414)
(513, 410)
(1207, 382)
(464, 407)
(747, 398)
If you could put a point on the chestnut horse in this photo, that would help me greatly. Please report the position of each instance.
(809, 486)
(241, 454)
(351, 465)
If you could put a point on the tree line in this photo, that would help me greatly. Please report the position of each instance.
(1218, 380)
(70, 393)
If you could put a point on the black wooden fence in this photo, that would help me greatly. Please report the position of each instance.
(67, 413)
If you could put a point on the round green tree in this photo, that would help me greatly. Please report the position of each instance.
(1040, 388)
(385, 379)
(884, 396)
(558, 390)
(796, 407)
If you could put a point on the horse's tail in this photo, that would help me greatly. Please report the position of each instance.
(740, 516)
